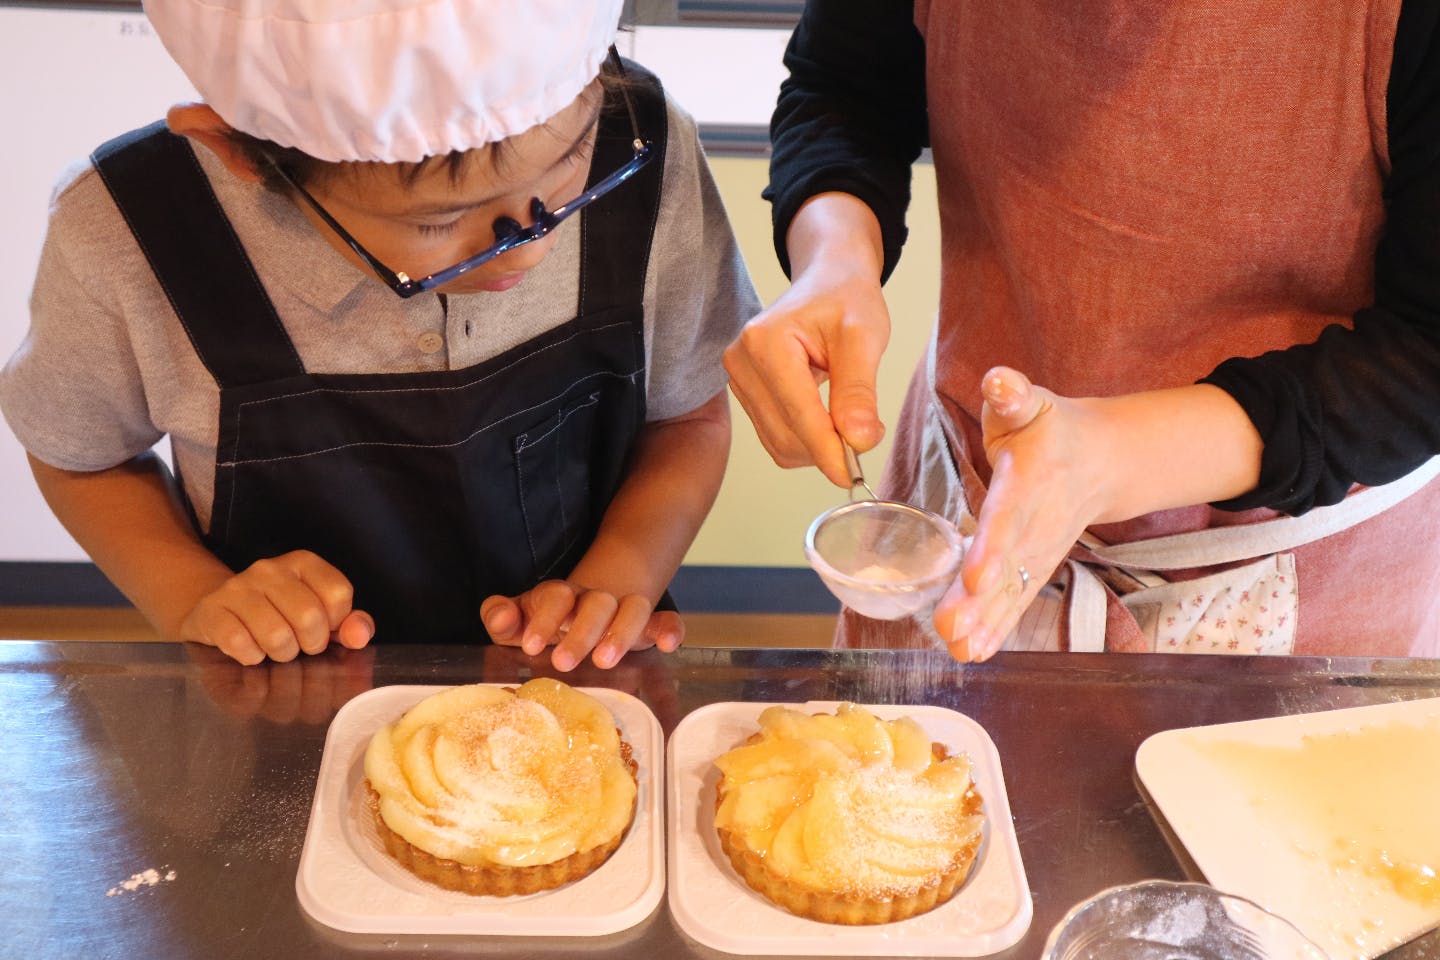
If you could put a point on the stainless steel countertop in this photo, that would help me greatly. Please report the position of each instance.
(119, 758)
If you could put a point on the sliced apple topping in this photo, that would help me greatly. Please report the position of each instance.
(480, 774)
(911, 745)
(847, 802)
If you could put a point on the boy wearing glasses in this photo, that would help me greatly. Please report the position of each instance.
(430, 298)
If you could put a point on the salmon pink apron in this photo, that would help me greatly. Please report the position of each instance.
(1129, 194)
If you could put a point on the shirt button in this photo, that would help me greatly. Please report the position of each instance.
(430, 342)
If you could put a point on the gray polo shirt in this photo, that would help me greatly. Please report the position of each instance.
(106, 369)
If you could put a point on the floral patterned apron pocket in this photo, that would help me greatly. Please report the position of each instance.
(1244, 610)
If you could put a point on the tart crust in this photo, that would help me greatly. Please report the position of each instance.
(496, 880)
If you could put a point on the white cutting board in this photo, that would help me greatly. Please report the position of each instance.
(1301, 813)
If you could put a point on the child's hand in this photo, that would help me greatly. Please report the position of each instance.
(577, 621)
(278, 607)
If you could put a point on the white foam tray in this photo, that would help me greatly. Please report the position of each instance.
(713, 905)
(348, 882)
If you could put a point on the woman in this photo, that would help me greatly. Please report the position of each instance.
(1209, 232)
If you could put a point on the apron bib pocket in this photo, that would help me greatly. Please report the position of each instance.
(554, 488)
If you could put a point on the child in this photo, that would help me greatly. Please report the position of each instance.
(410, 388)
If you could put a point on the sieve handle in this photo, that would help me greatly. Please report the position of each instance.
(857, 475)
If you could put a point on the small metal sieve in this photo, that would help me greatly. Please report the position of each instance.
(882, 558)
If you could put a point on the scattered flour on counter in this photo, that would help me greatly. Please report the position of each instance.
(145, 878)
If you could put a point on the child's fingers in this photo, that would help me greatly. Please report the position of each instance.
(666, 630)
(502, 619)
(270, 630)
(626, 633)
(592, 616)
(277, 607)
(221, 629)
(304, 612)
(310, 595)
(330, 586)
(546, 608)
(356, 630)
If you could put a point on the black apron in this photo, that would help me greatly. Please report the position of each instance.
(429, 491)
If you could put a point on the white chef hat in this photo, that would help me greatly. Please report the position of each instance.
(388, 80)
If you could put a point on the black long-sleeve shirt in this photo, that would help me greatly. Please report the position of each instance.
(1359, 405)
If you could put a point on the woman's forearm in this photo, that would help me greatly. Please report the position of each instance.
(836, 231)
(672, 483)
(130, 520)
(1175, 448)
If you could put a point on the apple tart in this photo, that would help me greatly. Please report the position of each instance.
(846, 818)
(498, 791)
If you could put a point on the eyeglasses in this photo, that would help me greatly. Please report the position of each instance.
(508, 233)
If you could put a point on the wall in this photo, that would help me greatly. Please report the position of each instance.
(68, 80)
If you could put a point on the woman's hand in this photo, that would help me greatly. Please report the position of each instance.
(831, 324)
(1051, 467)
(278, 608)
(578, 622)
(1061, 464)
(822, 328)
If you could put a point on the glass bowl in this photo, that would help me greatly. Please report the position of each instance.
(1164, 920)
(884, 559)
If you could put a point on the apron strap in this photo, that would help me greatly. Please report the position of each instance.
(1088, 608)
(1220, 545)
(615, 237)
(168, 203)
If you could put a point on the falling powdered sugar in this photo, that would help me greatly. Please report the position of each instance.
(145, 878)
